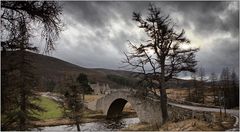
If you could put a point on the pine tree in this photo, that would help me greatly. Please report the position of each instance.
(74, 101)
(22, 80)
(17, 19)
(84, 83)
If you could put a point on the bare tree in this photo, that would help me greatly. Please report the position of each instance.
(201, 74)
(192, 94)
(225, 83)
(213, 79)
(235, 89)
(198, 78)
(163, 53)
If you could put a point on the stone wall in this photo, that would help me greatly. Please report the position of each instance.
(179, 114)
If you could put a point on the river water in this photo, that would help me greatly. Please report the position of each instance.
(106, 125)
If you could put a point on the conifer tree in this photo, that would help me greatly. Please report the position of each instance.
(23, 82)
(74, 100)
(161, 57)
(17, 19)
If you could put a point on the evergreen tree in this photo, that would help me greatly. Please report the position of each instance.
(74, 101)
(84, 83)
(22, 80)
(17, 19)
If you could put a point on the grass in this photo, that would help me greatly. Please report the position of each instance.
(53, 109)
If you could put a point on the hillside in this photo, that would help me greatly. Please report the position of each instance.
(49, 69)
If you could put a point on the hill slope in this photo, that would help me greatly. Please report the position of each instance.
(50, 69)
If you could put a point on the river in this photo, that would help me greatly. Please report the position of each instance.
(106, 125)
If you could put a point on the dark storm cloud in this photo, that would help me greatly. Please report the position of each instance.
(211, 19)
(97, 32)
(223, 53)
(206, 16)
(88, 12)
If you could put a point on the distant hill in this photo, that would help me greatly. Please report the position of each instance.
(52, 70)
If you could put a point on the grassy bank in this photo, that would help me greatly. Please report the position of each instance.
(52, 109)
(53, 114)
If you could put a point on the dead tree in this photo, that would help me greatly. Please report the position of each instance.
(201, 74)
(225, 83)
(162, 56)
(194, 96)
(235, 89)
(213, 79)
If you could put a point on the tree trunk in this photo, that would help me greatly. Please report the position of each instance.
(22, 122)
(78, 127)
(224, 100)
(77, 117)
(163, 102)
(189, 94)
(77, 120)
(163, 96)
(83, 94)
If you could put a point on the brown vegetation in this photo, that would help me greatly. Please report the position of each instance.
(185, 125)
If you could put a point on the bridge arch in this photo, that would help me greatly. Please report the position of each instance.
(147, 110)
(116, 108)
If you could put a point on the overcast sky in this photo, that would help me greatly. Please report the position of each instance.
(96, 33)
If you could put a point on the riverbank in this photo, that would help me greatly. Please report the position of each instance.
(105, 125)
(187, 125)
(90, 116)
(65, 121)
(50, 102)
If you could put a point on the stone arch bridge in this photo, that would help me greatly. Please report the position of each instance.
(147, 110)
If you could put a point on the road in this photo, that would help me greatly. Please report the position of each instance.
(234, 113)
